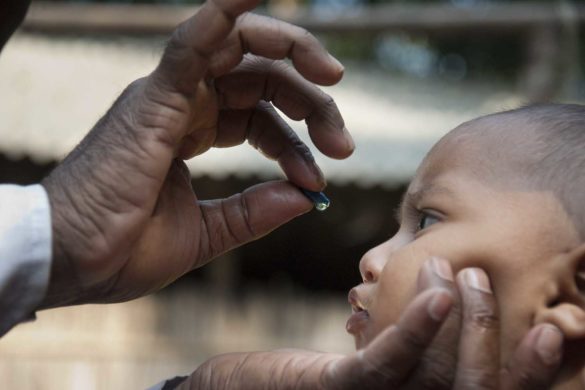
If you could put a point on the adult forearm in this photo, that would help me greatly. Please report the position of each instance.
(282, 369)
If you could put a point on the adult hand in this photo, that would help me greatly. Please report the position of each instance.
(126, 221)
(426, 349)
(466, 351)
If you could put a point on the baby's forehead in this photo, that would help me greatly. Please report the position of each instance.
(492, 149)
(496, 133)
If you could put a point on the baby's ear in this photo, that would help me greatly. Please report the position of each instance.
(566, 309)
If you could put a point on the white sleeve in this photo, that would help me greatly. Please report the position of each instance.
(25, 252)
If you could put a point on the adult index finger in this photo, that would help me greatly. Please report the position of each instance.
(479, 351)
(275, 39)
(436, 369)
(536, 361)
(187, 56)
(258, 78)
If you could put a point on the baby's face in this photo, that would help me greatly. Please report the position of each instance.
(451, 210)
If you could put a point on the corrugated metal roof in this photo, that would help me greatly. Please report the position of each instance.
(52, 90)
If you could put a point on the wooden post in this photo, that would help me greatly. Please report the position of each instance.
(542, 78)
(569, 16)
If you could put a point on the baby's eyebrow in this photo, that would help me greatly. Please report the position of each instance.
(415, 196)
(419, 194)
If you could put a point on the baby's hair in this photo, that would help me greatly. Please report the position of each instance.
(559, 151)
(543, 147)
(539, 147)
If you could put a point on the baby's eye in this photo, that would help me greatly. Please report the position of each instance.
(427, 220)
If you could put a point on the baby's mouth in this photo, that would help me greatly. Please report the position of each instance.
(357, 321)
(354, 300)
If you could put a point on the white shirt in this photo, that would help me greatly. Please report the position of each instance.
(25, 252)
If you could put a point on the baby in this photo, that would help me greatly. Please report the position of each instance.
(506, 193)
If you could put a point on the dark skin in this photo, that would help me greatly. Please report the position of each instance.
(12, 13)
(126, 221)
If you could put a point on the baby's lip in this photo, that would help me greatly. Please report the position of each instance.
(354, 300)
(359, 318)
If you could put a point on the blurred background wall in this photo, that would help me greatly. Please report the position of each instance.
(414, 70)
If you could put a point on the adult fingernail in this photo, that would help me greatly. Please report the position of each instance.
(316, 170)
(440, 305)
(477, 279)
(442, 268)
(336, 62)
(305, 158)
(549, 344)
(319, 175)
(349, 139)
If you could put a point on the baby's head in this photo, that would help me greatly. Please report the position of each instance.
(506, 193)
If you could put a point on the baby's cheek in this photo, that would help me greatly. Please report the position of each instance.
(396, 289)
(461, 245)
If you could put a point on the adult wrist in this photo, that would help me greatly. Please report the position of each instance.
(64, 287)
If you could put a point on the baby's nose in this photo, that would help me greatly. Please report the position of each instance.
(371, 266)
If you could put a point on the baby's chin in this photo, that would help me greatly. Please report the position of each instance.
(360, 342)
(366, 336)
(366, 324)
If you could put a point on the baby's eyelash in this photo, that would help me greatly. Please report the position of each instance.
(416, 220)
(412, 215)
